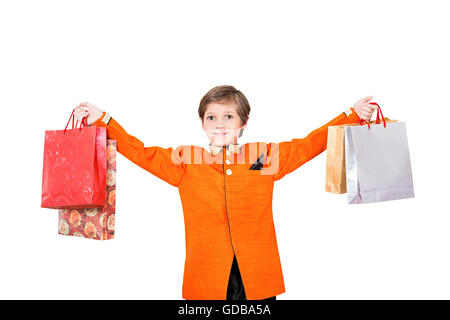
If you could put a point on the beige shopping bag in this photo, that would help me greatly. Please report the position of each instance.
(335, 164)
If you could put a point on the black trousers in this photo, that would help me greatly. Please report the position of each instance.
(235, 290)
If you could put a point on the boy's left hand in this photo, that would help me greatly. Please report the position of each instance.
(364, 109)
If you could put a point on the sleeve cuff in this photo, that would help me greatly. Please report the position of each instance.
(349, 111)
(103, 121)
(352, 115)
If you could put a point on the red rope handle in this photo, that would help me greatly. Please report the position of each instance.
(378, 113)
(72, 117)
(83, 123)
(361, 122)
(378, 116)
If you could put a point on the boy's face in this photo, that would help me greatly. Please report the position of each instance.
(222, 123)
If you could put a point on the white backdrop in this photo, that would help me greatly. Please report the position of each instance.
(299, 64)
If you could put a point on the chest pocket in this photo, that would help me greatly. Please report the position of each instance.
(258, 164)
(256, 169)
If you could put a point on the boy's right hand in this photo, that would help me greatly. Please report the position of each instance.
(87, 109)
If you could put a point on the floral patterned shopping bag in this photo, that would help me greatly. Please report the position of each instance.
(94, 223)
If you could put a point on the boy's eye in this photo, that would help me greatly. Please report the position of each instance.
(228, 115)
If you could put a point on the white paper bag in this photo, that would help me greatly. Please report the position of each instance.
(377, 162)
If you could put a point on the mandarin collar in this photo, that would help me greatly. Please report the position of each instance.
(233, 147)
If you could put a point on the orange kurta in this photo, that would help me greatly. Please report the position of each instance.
(227, 207)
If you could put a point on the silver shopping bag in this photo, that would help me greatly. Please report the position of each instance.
(377, 163)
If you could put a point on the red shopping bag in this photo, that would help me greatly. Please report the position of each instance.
(94, 223)
(74, 167)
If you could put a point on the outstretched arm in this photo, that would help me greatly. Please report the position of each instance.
(165, 163)
(290, 155)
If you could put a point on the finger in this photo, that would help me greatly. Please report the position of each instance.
(79, 111)
(80, 107)
(366, 114)
(368, 108)
(372, 106)
(77, 116)
(365, 99)
(80, 114)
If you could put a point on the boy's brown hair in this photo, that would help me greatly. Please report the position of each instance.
(224, 94)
